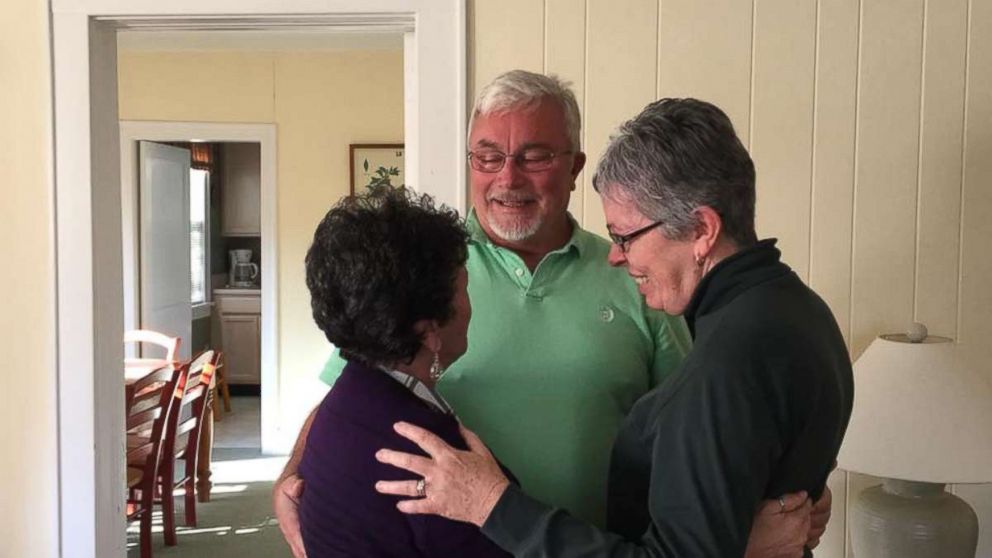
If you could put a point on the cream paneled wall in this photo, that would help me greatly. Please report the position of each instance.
(870, 123)
(320, 102)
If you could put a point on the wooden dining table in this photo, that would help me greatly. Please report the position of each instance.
(136, 368)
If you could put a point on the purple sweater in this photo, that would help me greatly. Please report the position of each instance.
(341, 514)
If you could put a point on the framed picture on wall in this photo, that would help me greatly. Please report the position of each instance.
(375, 163)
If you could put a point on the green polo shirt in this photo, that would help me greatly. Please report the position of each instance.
(556, 359)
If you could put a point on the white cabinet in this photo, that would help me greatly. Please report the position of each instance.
(241, 190)
(240, 327)
(242, 348)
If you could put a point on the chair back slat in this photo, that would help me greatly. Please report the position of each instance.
(138, 456)
(146, 336)
(147, 414)
(183, 435)
(144, 419)
(135, 442)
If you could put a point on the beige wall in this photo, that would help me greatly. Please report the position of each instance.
(870, 124)
(28, 452)
(320, 102)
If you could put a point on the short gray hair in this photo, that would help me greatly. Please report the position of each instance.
(523, 89)
(678, 155)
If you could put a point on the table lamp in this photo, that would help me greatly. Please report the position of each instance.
(922, 419)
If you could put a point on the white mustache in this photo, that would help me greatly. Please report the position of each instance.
(509, 198)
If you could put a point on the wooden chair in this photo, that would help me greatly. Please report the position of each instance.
(170, 344)
(221, 391)
(182, 441)
(147, 412)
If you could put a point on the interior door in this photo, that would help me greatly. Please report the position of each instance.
(164, 241)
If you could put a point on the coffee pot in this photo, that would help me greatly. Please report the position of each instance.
(242, 272)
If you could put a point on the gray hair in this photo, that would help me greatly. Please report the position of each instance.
(678, 155)
(523, 89)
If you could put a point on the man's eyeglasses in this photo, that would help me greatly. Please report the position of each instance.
(528, 160)
(624, 240)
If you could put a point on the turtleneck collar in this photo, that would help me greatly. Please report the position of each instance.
(732, 276)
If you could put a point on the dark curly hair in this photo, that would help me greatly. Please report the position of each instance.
(380, 262)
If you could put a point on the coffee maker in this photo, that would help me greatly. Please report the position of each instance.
(242, 272)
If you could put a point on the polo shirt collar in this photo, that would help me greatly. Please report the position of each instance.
(579, 240)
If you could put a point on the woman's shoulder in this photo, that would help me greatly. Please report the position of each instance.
(370, 394)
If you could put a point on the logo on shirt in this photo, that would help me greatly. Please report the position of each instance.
(606, 314)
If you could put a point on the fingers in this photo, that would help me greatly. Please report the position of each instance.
(420, 505)
(292, 487)
(413, 463)
(768, 507)
(297, 548)
(823, 504)
(427, 441)
(792, 502)
(398, 488)
(285, 500)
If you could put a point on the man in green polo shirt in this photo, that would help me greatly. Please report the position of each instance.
(561, 345)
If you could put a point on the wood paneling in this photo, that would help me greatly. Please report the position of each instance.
(833, 156)
(870, 123)
(565, 56)
(975, 305)
(886, 164)
(782, 124)
(704, 51)
(832, 195)
(508, 34)
(620, 79)
(975, 300)
(941, 137)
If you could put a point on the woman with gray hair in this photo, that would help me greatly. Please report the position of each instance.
(758, 408)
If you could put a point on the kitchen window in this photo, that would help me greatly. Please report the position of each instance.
(199, 237)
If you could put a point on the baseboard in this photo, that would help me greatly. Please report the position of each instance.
(245, 389)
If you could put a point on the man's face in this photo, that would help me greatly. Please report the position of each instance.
(513, 205)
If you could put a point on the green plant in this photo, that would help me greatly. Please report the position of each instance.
(382, 175)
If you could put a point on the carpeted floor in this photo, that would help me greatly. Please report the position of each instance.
(237, 522)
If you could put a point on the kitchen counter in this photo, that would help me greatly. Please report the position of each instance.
(239, 291)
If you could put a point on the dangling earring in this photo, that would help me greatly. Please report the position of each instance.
(436, 369)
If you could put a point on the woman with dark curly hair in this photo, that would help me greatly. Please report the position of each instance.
(386, 273)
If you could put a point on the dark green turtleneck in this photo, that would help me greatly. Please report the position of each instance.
(758, 409)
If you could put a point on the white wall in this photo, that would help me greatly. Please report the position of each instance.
(870, 123)
(28, 450)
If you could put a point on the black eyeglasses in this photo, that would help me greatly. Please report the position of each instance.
(528, 160)
(624, 240)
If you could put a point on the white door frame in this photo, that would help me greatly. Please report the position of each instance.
(133, 131)
(88, 202)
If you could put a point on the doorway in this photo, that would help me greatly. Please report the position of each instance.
(264, 136)
(88, 202)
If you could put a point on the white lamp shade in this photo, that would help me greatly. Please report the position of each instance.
(922, 412)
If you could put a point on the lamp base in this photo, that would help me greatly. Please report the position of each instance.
(904, 519)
